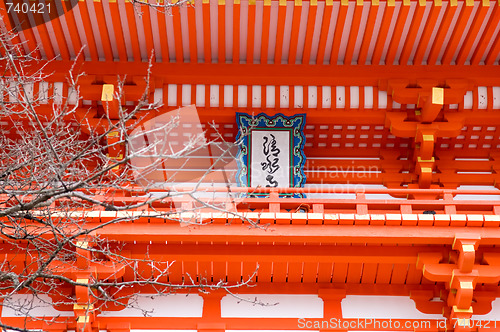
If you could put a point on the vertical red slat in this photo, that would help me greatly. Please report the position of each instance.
(103, 30)
(28, 33)
(162, 27)
(175, 273)
(280, 271)
(206, 31)
(249, 96)
(333, 98)
(311, 19)
(234, 271)
(266, 18)
(235, 96)
(384, 29)
(427, 33)
(414, 275)
(398, 32)
(474, 30)
(118, 30)
(493, 53)
(340, 272)
(487, 35)
(263, 94)
(193, 94)
(325, 24)
(412, 32)
(236, 31)
(339, 29)
(251, 30)
(193, 48)
(265, 272)
(353, 35)
(207, 96)
(325, 272)
(61, 41)
(148, 30)
(369, 273)
(294, 272)
(310, 272)
(463, 18)
(384, 273)
(305, 97)
(320, 97)
(222, 31)
(44, 36)
(132, 27)
(205, 270)
(354, 272)
(280, 32)
(297, 11)
(277, 98)
(221, 96)
(176, 18)
(442, 31)
(370, 26)
(15, 38)
(219, 272)
(347, 98)
(179, 95)
(399, 274)
(361, 102)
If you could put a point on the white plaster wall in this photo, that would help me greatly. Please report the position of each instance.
(277, 306)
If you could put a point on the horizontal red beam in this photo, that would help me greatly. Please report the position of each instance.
(269, 74)
(325, 234)
(278, 253)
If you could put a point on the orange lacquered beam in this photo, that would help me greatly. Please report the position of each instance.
(270, 74)
(325, 234)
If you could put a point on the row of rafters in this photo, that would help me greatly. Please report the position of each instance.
(269, 31)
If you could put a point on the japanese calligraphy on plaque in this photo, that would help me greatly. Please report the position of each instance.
(271, 150)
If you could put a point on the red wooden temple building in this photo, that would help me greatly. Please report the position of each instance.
(396, 223)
